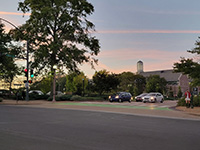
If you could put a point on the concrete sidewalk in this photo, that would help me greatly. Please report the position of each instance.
(175, 112)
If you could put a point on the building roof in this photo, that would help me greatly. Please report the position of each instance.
(169, 75)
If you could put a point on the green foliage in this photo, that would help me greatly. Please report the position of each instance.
(105, 82)
(181, 102)
(61, 98)
(156, 84)
(65, 97)
(61, 83)
(189, 66)
(79, 98)
(139, 84)
(34, 96)
(44, 85)
(196, 101)
(180, 93)
(57, 98)
(76, 97)
(9, 69)
(132, 83)
(69, 82)
(75, 82)
(126, 81)
(59, 33)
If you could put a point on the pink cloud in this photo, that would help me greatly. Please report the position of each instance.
(148, 31)
(125, 68)
(153, 59)
(14, 13)
(127, 54)
(116, 61)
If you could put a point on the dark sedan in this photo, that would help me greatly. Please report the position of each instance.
(120, 97)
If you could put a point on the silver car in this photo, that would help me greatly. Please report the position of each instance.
(38, 92)
(139, 97)
(153, 97)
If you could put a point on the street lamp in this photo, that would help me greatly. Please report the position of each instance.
(54, 83)
(27, 59)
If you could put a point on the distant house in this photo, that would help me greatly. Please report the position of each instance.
(174, 80)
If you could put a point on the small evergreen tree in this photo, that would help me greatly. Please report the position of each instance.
(180, 93)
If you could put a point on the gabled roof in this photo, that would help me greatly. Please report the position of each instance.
(169, 75)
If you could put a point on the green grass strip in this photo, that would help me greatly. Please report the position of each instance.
(115, 106)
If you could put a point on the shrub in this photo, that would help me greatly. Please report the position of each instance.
(1, 99)
(65, 97)
(196, 101)
(181, 102)
(37, 97)
(94, 98)
(57, 98)
(76, 97)
(50, 99)
(61, 98)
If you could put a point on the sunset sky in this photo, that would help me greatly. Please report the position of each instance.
(157, 32)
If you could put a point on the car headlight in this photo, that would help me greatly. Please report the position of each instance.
(152, 98)
(117, 96)
(109, 97)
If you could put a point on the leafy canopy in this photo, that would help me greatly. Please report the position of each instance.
(134, 83)
(59, 33)
(155, 84)
(104, 81)
(189, 66)
(76, 83)
(7, 63)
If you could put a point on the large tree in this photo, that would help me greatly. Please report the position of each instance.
(76, 83)
(190, 66)
(154, 83)
(59, 33)
(8, 51)
(134, 83)
(105, 81)
(126, 81)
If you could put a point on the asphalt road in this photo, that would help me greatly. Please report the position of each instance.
(26, 128)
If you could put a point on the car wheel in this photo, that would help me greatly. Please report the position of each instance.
(129, 101)
(144, 101)
(161, 101)
(111, 101)
(120, 100)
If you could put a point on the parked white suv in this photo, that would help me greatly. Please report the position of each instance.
(153, 97)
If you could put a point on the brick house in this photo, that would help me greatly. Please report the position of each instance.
(174, 80)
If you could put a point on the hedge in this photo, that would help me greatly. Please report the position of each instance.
(196, 101)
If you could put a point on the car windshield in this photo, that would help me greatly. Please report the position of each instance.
(151, 94)
(119, 93)
(143, 94)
